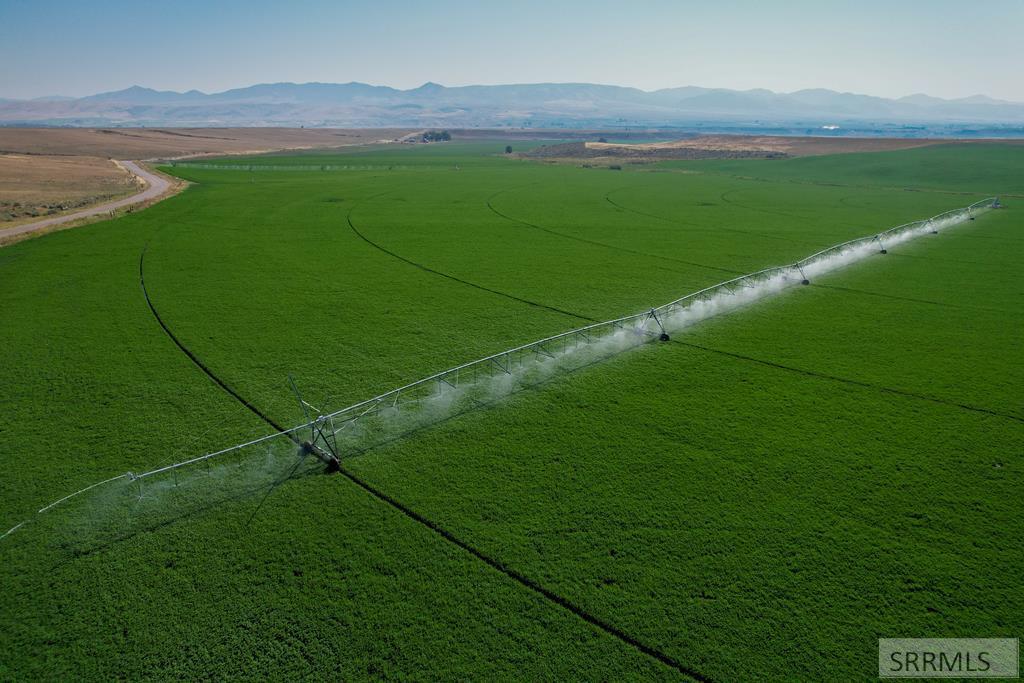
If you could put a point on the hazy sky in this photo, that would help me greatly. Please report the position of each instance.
(889, 48)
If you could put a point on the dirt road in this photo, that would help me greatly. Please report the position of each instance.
(155, 187)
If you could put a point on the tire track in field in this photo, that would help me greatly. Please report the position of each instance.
(775, 212)
(852, 382)
(672, 221)
(421, 519)
(724, 198)
(818, 183)
(938, 260)
(524, 580)
(584, 240)
(454, 278)
(944, 304)
(845, 201)
(188, 352)
(998, 238)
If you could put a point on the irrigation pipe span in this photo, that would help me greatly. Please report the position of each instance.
(502, 373)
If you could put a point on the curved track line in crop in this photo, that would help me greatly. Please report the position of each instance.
(845, 201)
(672, 221)
(853, 382)
(725, 198)
(939, 259)
(584, 240)
(819, 183)
(421, 519)
(526, 581)
(454, 278)
(188, 352)
(894, 297)
(998, 238)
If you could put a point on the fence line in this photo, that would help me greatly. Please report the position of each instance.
(501, 373)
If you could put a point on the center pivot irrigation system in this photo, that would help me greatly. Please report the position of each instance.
(330, 437)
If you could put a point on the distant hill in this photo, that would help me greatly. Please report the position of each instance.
(538, 105)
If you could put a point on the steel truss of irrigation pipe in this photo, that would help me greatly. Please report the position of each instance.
(645, 325)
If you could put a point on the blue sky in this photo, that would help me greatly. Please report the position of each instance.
(894, 48)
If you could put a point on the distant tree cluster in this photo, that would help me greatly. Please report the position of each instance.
(437, 136)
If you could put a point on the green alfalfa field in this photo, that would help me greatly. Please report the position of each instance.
(764, 496)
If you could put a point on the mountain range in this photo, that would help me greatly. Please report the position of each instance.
(540, 105)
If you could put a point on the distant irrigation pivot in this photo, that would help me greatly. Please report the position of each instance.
(335, 435)
(199, 165)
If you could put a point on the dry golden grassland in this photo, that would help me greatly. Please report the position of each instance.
(37, 186)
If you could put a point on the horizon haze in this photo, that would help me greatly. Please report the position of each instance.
(531, 106)
(941, 48)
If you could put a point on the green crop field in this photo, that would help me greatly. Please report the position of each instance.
(762, 497)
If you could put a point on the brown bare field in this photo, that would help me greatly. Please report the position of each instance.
(790, 146)
(150, 143)
(728, 147)
(37, 186)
